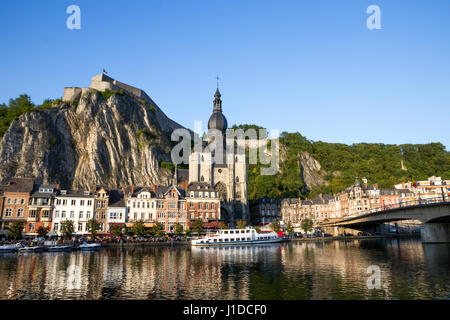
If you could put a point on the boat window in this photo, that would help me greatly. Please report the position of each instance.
(231, 232)
(225, 232)
(248, 238)
(242, 231)
(215, 240)
(247, 231)
(226, 239)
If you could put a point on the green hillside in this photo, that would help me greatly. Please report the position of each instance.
(379, 163)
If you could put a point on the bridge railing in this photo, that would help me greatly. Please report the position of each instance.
(401, 204)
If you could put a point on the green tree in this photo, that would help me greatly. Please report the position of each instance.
(158, 230)
(275, 226)
(115, 229)
(289, 228)
(187, 232)
(307, 225)
(42, 231)
(67, 228)
(257, 229)
(93, 226)
(222, 225)
(241, 224)
(16, 229)
(178, 229)
(138, 228)
(197, 226)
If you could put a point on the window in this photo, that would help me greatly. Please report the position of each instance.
(65, 202)
(20, 212)
(200, 194)
(192, 194)
(80, 227)
(73, 202)
(89, 203)
(81, 202)
(22, 201)
(212, 194)
(191, 205)
(206, 194)
(81, 214)
(103, 215)
(63, 214)
(55, 226)
(172, 205)
(56, 213)
(31, 227)
(9, 201)
(206, 206)
(88, 214)
(213, 206)
(58, 202)
(202, 179)
(8, 212)
(200, 206)
(72, 214)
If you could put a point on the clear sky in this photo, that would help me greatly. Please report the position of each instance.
(308, 66)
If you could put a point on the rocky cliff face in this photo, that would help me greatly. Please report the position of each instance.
(310, 172)
(115, 141)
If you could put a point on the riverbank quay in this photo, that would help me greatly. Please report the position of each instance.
(381, 236)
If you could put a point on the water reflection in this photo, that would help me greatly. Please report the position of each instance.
(303, 270)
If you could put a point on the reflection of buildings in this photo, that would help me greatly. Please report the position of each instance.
(299, 270)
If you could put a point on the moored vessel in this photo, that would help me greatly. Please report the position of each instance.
(237, 237)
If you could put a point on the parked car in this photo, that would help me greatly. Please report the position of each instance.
(298, 235)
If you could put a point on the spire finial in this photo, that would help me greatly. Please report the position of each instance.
(217, 78)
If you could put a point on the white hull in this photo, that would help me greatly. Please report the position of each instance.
(237, 242)
(247, 236)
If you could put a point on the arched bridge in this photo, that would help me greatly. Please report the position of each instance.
(433, 213)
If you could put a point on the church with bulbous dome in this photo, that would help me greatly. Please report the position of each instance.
(226, 173)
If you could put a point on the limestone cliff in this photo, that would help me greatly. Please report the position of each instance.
(310, 171)
(93, 139)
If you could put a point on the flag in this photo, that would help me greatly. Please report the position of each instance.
(104, 71)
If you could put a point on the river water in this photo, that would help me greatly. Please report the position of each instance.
(295, 270)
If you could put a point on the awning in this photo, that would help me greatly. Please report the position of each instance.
(52, 233)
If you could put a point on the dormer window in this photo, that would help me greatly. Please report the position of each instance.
(200, 194)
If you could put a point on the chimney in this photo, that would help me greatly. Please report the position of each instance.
(154, 188)
(132, 188)
(57, 186)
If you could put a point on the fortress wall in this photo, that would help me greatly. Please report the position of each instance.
(71, 93)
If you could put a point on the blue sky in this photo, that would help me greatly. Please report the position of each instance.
(307, 66)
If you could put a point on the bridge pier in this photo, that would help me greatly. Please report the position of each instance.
(435, 232)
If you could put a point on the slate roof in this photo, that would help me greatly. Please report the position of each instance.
(19, 185)
(116, 199)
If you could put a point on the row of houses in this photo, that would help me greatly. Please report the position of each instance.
(355, 200)
(47, 206)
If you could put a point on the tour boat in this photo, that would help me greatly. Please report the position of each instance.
(90, 246)
(237, 237)
(10, 248)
